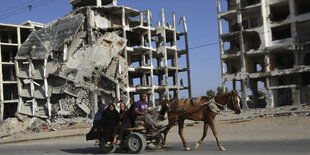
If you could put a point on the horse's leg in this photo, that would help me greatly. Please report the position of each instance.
(181, 126)
(205, 131)
(166, 132)
(212, 126)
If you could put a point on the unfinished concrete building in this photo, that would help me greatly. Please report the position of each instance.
(11, 39)
(151, 52)
(265, 46)
(99, 53)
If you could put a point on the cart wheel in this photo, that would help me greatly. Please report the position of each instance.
(136, 143)
(155, 143)
(105, 148)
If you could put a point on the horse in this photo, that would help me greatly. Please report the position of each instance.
(181, 109)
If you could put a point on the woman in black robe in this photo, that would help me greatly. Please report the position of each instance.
(95, 132)
(110, 119)
(125, 122)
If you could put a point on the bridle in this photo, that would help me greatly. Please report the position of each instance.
(231, 97)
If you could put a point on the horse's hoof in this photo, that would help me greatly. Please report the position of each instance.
(161, 144)
(197, 145)
(222, 148)
(187, 149)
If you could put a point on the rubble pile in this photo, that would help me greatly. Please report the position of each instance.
(27, 125)
(65, 70)
(302, 110)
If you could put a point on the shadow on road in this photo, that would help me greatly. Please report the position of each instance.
(87, 150)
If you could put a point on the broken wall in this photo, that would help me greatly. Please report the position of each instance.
(62, 70)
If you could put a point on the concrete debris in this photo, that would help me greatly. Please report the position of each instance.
(291, 110)
(62, 70)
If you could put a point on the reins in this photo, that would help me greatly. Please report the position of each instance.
(224, 106)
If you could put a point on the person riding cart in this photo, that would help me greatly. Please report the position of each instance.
(144, 114)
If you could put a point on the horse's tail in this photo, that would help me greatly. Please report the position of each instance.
(164, 109)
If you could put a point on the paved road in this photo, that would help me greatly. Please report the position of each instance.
(276, 136)
(79, 146)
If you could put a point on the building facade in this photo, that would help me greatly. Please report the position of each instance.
(152, 52)
(264, 46)
(11, 39)
(98, 53)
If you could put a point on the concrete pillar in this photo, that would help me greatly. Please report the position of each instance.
(144, 75)
(114, 2)
(1, 87)
(294, 29)
(141, 18)
(94, 103)
(98, 3)
(269, 94)
(267, 63)
(295, 95)
(218, 6)
(187, 58)
(90, 16)
(165, 55)
(19, 84)
(149, 38)
(124, 27)
(292, 15)
(220, 31)
(267, 36)
(175, 61)
(244, 95)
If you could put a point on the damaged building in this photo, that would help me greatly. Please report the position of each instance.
(99, 53)
(265, 46)
(11, 39)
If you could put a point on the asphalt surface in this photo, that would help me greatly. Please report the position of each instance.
(77, 145)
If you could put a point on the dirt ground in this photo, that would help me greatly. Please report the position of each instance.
(255, 129)
(267, 128)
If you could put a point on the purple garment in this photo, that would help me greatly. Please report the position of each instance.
(98, 115)
(142, 106)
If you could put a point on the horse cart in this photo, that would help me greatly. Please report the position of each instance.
(200, 109)
(136, 140)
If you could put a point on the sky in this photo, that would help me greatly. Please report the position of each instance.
(201, 18)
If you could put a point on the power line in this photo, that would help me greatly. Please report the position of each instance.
(14, 7)
(206, 45)
(18, 11)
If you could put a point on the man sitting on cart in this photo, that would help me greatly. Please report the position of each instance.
(143, 113)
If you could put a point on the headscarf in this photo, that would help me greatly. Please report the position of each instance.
(121, 111)
(111, 104)
(98, 115)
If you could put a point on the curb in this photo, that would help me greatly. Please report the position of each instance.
(45, 135)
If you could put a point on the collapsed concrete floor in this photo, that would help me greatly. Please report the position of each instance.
(60, 72)
(68, 77)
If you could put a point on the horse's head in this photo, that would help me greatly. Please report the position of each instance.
(234, 101)
(164, 109)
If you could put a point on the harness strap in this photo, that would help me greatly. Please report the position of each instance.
(220, 105)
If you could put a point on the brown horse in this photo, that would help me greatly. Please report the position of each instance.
(179, 110)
